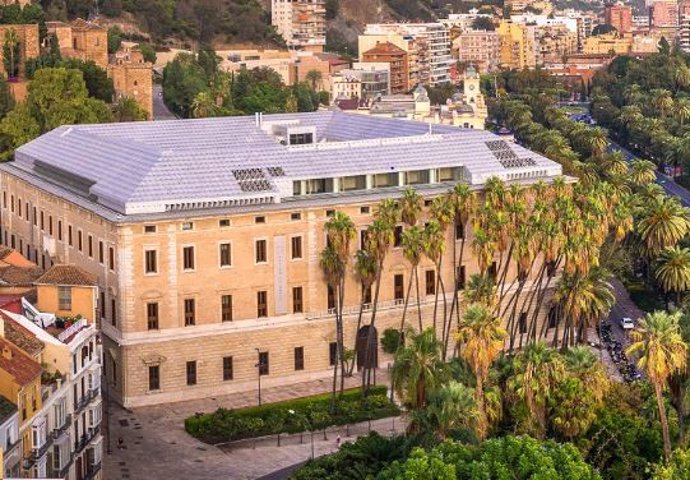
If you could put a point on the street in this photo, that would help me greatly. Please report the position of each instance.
(160, 110)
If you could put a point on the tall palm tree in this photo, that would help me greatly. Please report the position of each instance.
(366, 271)
(434, 247)
(662, 101)
(663, 223)
(682, 76)
(203, 105)
(482, 336)
(418, 369)
(642, 172)
(538, 371)
(413, 244)
(597, 141)
(411, 205)
(682, 109)
(658, 341)
(583, 364)
(673, 271)
(340, 230)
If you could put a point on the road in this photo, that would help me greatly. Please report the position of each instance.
(160, 110)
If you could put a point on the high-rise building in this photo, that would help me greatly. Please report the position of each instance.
(396, 57)
(684, 27)
(663, 14)
(302, 23)
(518, 45)
(480, 48)
(205, 237)
(619, 16)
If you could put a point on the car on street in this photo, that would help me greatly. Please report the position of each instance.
(627, 323)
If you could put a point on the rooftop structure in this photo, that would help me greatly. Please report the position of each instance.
(147, 168)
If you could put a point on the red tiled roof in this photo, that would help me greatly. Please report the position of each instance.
(67, 275)
(11, 275)
(21, 337)
(23, 368)
(385, 48)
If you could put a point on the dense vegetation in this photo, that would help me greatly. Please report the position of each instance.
(291, 416)
(194, 86)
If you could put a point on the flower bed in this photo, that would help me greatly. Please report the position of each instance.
(290, 416)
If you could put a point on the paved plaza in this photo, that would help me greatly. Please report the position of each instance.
(156, 447)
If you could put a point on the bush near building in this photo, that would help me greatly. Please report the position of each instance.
(291, 416)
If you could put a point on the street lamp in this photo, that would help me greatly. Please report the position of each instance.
(311, 430)
(258, 366)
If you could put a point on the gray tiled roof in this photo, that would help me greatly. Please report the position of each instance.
(143, 167)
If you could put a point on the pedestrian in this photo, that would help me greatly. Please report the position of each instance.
(337, 441)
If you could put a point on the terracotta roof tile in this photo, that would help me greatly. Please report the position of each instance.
(21, 337)
(385, 48)
(21, 366)
(67, 275)
(19, 276)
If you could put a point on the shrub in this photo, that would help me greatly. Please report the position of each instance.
(390, 340)
(291, 416)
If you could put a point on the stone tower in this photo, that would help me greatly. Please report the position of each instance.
(132, 77)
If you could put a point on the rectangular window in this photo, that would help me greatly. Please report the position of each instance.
(189, 312)
(187, 226)
(263, 363)
(330, 213)
(191, 373)
(296, 244)
(113, 312)
(262, 304)
(397, 236)
(296, 216)
(430, 276)
(90, 246)
(80, 241)
(188, 258)
(228, 373)
(398, 287)
(459, 230)
(64, 298)
(522, 322)
(297, 306)
(493, 271)
(461, 277)
(69, 235)
(154, 377)
(225, 222)
(261, 251)
(331, 297)
(260, 219)
(363, 234)
(149, 229)
(152, 315)
(226, 308)
(225, 255)
(151, 261)
(332, 353)
(50, 225)
(364, 210)
(102, 303)
(101, 253)
(111, 258)
(60, 230)
(4, 199)
(299, 358)
(42, 222)
(35, 217)
(12, 203)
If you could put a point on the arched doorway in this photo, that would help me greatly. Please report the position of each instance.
(367, 357)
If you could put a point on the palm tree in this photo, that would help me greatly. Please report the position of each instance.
(538, 370)
(682, 109)
(662, 224)
(11, 51)
(673, 271)
(682, 76)
(418, 369)
(597, 141)
(366, 271)
(583, 364)
(340, 230)
(642, 172)
(662, 101)
(413, 243)
(203, 105)
(411, 205)
(482, 336)
(451, 407)
(314, 77)
(658, 341)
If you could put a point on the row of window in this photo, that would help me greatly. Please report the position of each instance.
(263, 366)
(46, 224)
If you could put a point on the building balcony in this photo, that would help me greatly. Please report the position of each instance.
(62, 429)
(38, 452)
(85, 439)
(90, 394)
(62, 472)
(92, 471)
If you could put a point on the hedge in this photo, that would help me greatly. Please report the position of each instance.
(291, 416)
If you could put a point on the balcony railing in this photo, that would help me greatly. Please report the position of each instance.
(58, 431)
(85, 439)
(38, 452)
(86, 399)
(92, 470)
(62, 473)
(9, 446)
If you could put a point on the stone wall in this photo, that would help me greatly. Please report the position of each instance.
(28, 44)
(134, 80)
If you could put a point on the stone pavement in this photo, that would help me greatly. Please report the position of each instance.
(155, 445)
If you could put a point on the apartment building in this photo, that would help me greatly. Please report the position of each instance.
(426, 44)
(684, 27)
(663, 14)
(302, 23)
(362, 81)
(60, 434)
(518, 45)
(396, 58)
(480, 48)
(619, 16)
(555, 41)
(208, 272)
(10, 441)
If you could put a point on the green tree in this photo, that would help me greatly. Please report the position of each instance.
(114, 39)
(128, 110)
(11, 54)
(673, 270)
(678, 467)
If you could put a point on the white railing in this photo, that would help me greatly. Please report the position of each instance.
(73, 329)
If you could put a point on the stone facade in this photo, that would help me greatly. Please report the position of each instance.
(147, 352)
(28, 44)
(132, 77)
(81, 39)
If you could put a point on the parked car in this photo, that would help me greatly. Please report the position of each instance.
(627, 323)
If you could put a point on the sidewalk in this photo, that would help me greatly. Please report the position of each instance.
(157, 447)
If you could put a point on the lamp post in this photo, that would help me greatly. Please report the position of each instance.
(311, 430)
(258, 366)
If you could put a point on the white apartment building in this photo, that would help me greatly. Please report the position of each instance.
(10, 441)
(302, 23)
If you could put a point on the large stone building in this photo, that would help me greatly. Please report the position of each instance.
(82, 40)
(132, 77)
(302, 23)
(205, 235)
(27, 36)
